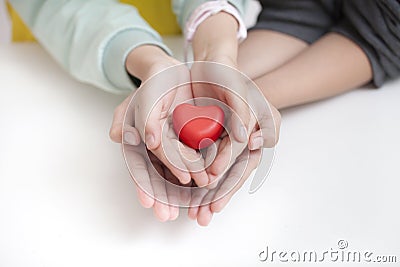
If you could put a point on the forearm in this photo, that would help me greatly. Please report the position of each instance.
(216, 39)
(331, 66)
(90, 39)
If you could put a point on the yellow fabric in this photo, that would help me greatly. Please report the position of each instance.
(158, 13)
(20, 33)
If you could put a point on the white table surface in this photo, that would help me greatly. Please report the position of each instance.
(66, 198)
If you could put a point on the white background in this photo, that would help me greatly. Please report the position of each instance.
(5, 25)
(66, 198)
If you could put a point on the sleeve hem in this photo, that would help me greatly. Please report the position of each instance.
(117, 50)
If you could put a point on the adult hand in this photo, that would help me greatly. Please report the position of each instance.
(155, 184)
(204, 203)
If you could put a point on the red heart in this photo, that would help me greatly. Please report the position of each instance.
(198, 126)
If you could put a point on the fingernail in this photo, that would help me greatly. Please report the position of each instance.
(243, 133)
(130, 139)
(257, 143)
(150, 140)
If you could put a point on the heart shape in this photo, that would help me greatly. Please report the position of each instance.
(198, 126)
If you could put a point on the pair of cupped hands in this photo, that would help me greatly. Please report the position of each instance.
(204, 182)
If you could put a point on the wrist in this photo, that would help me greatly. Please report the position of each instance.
(216, 39)
(145, 60)
(220, 58)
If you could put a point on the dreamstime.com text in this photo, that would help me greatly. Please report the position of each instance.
(341, 254)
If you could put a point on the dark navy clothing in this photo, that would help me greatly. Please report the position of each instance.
(373, 24)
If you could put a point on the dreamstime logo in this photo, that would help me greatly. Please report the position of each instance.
(340, 254)
(199, 84)
(343, 244)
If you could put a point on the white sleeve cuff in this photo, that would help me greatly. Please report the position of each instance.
(211, 8)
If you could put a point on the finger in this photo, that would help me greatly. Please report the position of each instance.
(228, 152)
(268, 134)
(118, 121)
(131, 136)
(153, 131)
(141, 174)
(161, 211)
(170, 154)
(173, 213)
(200, 178)
(192, 212)
(160, 208)
(185, 195)
(195, 201)
(145, 200)
(194, 163)
(239, 173)
(220, 159)
(210, 156)
(204, 215)
(149, 118)
(240, 117)
(173, 162)
(172, 194)
(256, 140)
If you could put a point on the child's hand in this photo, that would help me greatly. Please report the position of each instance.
(150, 109)
(215, 40)
(238, 118)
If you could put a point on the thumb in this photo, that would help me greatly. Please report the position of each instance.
(131, 136)
(240, 118)
(152, 133)
(118, 121)
(268, 134)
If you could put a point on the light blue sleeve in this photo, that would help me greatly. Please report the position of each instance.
(90, 39)
(184, 8)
